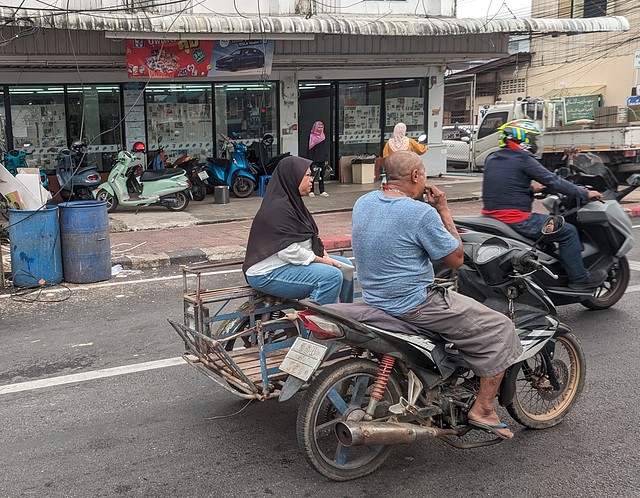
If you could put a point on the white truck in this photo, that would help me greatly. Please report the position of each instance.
(618, 145)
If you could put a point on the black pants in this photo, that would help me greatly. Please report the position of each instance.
(317, 172)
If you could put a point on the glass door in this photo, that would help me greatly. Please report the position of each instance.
(315, 101)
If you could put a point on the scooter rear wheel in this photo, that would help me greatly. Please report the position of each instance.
(182, 201)
(198, 189)
(112, 201)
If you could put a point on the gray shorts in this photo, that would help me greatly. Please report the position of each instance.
(486, 339)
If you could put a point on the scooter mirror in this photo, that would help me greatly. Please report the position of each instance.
(554, 225)
(422, 138)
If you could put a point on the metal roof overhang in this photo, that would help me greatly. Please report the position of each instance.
(143, 24)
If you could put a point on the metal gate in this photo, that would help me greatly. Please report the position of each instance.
(459, 121)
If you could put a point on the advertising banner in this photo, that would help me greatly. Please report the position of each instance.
(241, 57)
(168, 58)
(197, 58)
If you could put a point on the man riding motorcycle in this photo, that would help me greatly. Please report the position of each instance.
(512, 175)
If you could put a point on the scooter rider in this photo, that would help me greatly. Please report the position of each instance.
(512, 175)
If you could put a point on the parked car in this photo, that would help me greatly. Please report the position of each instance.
(458, 139)
(243, 58)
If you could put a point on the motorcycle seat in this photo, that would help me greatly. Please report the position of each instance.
(158, 174)
(487, 224)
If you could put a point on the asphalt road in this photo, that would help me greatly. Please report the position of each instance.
(152, 430)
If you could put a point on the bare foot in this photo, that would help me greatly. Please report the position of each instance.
(490, 418)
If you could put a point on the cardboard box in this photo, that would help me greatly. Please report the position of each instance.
(364, 172)
(345, 169)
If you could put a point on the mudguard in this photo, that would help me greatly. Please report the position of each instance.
(242, 172)
(107, 187)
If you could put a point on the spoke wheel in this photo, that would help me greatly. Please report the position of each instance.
(182, 201)
(339, 393)
(613, 288)
(111, 200)
(537, 404)
(243, 186)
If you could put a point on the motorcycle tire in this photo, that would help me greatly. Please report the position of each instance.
(243, 186)
(111, 200)
(613, 288)
(183, 202)
(536, 404)
(198, 189)
(318, 415)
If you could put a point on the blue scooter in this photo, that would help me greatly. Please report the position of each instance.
(77, 181)
(236, 172)
(15, 159)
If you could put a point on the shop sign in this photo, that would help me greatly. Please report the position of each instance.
(197, 58)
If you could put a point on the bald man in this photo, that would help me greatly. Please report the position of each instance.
(395, 238)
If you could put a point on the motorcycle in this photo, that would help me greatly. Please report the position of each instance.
(258, 155)
(398, 386)
(236, 172)
(604, 229)
(15, 159)
(76, 182)
(193, 170)
(165, 187)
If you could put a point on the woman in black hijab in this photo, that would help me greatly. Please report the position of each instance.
(285, 257)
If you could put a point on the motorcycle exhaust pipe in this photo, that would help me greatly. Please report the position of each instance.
(385, 433)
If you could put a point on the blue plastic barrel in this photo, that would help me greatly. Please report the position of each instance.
(86, 249)
(36, 257)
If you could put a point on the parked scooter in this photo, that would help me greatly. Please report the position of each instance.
(77, 180)
(193, 170)
(165, 187)
(604, 229)
(398, 386)
(258, 155)
(236, 172)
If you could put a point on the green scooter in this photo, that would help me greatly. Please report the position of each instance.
(165, 187)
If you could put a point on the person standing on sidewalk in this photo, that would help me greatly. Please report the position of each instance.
(285, 257)
(319, 154)
(400, 141)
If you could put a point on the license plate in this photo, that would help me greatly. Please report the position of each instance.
(203, 175)
(303, 358)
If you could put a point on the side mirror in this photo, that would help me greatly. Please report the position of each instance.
(554, 225)
(465, 139)
(422, 138)
(634, 180)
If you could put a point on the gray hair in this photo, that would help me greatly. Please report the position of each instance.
(399, 165)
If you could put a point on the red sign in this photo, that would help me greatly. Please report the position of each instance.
(168, 58)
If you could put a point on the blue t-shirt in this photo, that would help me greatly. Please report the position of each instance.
(394, 240)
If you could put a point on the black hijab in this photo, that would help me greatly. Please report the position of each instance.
(282, 218)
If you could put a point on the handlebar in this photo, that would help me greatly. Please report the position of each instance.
(528, 262)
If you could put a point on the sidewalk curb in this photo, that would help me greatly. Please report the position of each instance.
(212, 255)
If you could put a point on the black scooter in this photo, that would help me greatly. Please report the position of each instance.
(258, 156)
(604, 229)
(76, 180)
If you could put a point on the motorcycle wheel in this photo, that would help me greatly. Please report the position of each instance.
(183, 202)
(111, 200)
(4, 207)
(613, 288)
(337, 393)
(243, 186)
(536, 404)
(198, 189)
(83, 194)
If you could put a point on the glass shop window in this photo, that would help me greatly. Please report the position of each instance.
(39, 123)
(404, 103)
(94, 116)
(179, 119)
(359, 117)
(250, 110)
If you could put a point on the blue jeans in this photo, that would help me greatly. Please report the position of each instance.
(569, 246)
(319, 282)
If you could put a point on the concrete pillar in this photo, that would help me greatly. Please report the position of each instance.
(289, 112)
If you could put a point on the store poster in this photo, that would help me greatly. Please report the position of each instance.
(241, 57)
(168, 58)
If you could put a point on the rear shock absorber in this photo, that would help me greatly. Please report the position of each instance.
(380, 384)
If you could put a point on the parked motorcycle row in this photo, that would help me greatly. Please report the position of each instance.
(161, 181)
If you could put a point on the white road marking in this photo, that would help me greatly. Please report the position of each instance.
(97, 374)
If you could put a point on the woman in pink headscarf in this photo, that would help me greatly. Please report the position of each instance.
(400, 141)
(319, 154)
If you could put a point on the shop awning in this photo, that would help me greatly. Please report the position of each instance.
(575, 91)
(142, 24)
